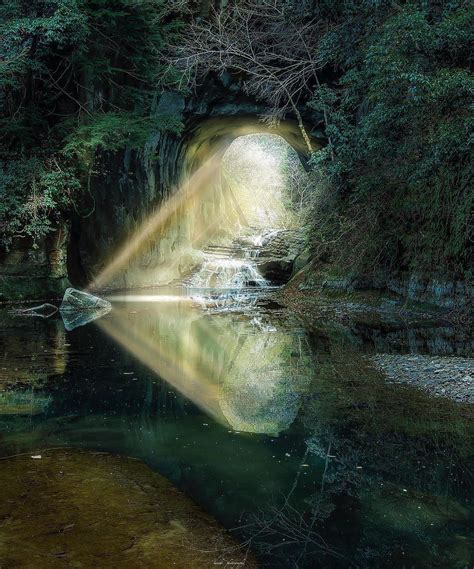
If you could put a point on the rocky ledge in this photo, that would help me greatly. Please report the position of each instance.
(451, 377)
(280, 254)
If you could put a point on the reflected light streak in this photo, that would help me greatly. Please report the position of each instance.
(182, 373)
(164, 298)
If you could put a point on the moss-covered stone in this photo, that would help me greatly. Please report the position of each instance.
(38, 272)
(79, 509)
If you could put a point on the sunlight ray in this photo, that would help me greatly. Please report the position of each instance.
(197, 183)
(188, 375)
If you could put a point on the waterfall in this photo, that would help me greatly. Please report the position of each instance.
(221, 273)
(228, 279)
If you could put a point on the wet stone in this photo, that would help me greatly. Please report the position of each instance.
(68, 508)
(79, 308)
(74, 318)
(79, 300)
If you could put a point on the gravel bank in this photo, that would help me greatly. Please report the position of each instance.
(451, 377)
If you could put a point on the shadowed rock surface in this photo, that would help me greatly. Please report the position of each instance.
(78, 509)
(279, 252)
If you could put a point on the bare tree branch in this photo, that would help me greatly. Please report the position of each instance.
(272, 47)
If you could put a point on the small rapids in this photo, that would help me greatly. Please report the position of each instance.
(228, 279)
(219, 273)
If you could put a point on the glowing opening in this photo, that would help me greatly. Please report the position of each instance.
(265, 177)
(257, 183)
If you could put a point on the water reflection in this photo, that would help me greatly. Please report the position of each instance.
(245, 374)
(266, 375)
(289, 435)
(31, 350)
(74, 319)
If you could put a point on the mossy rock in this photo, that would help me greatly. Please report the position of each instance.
(81, 509)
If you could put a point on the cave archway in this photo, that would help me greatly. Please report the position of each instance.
(206, 137)
(146, 233)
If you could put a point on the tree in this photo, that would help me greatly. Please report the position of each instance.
(271, 44)
(400, 123)
(75, 76)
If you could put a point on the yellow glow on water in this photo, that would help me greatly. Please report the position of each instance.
(163, 298)
(243, 373)
(177, 352)
(168, 363)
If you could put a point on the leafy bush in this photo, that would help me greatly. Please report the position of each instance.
(400, 127)
(76, 76)
(33, 196)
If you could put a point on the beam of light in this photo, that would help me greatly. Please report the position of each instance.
(243, 375)
(197, 183)
(181, 364)
(163, 298)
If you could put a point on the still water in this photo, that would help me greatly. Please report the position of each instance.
(285, 433)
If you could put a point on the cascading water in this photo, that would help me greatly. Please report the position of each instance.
(229, 279)
(221, 273)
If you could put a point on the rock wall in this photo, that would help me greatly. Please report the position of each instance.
(178, 217)
(444, 292)
(437, 290)
(35, 271)
(277, 259)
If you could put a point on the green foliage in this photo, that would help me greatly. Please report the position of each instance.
(394, 86)
(33, 195)
(400, 127)
(111, 131)
(76, 76)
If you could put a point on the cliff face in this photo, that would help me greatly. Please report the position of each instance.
(444, 291)
(169, 194)
(126, 197)
(35, 272)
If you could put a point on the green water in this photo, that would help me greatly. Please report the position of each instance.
(284, 432)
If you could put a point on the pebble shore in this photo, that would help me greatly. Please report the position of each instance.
(451, 377)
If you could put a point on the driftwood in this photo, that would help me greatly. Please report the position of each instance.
(42, 311)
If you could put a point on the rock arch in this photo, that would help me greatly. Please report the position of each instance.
(134, 186)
